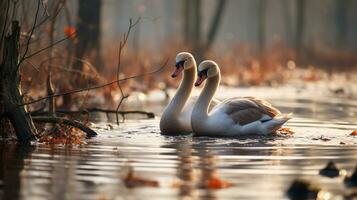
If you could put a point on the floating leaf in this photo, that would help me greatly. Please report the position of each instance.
(354, 133)
(217, 183)
(131, 180)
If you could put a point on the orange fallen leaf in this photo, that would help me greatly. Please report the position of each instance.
(217, 183)
(132, 180)
(284, 131)
(354, 133)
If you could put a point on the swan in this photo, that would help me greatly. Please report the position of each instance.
(176, 117)
(234, 116)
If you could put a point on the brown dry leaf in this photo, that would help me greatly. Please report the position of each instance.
(354, 133)
(217, 183)
(131, 181)
(284, 131)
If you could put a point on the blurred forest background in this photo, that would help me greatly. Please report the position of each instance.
(256, 42)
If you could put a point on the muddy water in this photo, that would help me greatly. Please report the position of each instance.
(259, 168)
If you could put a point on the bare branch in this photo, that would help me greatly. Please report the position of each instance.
(94, 87)
(49, 119)
(31, 33)
(40, 112)
(51, 45)
(121, 46)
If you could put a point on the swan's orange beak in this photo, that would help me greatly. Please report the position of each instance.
(200, 79)
(177, 71)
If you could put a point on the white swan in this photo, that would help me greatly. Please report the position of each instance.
(234, 116)
(176, 117)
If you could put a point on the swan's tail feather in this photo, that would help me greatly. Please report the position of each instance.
(278, 121)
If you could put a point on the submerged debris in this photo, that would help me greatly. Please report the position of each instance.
(322, 138)
(301, 189)
(351, 181)
(131, 180)
(330, 170)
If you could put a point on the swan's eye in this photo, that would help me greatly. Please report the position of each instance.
(203, 72)
(180, 64)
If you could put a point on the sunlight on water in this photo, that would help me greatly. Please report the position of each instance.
(258, 167)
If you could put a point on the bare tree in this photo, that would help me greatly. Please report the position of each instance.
(215, 23)
(289, 34)
(341, 22)
(300, 25)
(88, 31)
(11, 95)
(192, 21)
(261, 24)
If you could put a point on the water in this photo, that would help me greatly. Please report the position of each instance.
(259, 167)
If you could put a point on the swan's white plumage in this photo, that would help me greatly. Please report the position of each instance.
(176, 117)
(235, 116)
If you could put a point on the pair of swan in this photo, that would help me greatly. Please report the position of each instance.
(205, 116)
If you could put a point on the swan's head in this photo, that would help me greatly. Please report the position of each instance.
(184, 61)
(206, 69)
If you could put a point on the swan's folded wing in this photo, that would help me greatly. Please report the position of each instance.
(247, 110)
(193, 99)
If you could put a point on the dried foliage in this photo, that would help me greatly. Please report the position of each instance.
(64, 135)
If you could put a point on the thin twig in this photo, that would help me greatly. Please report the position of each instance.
(94, 87)
(121, 46)
(51, 45)
(30, 36)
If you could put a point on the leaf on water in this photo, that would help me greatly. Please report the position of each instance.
(217, 183)
(131, 180)
(354, 133)
(284, 131)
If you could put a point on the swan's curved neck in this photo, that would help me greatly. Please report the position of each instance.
(183, 92)
(200, 111)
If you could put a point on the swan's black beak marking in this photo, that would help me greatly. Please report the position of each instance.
(202, 75)
(179, 68)
(180, 64)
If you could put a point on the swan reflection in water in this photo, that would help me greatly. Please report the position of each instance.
(197, 165)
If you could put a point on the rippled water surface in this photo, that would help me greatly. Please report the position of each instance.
(259, 168)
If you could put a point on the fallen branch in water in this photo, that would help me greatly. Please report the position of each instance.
(149, 115)
(59, 120)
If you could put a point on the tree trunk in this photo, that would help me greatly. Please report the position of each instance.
(300, 21)
(88, 32)
(289, 34)
(196, 29)
(11, 96)
(215, 24)
(186, 20)
(341, 22)
(4, 7)
(261, 25)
